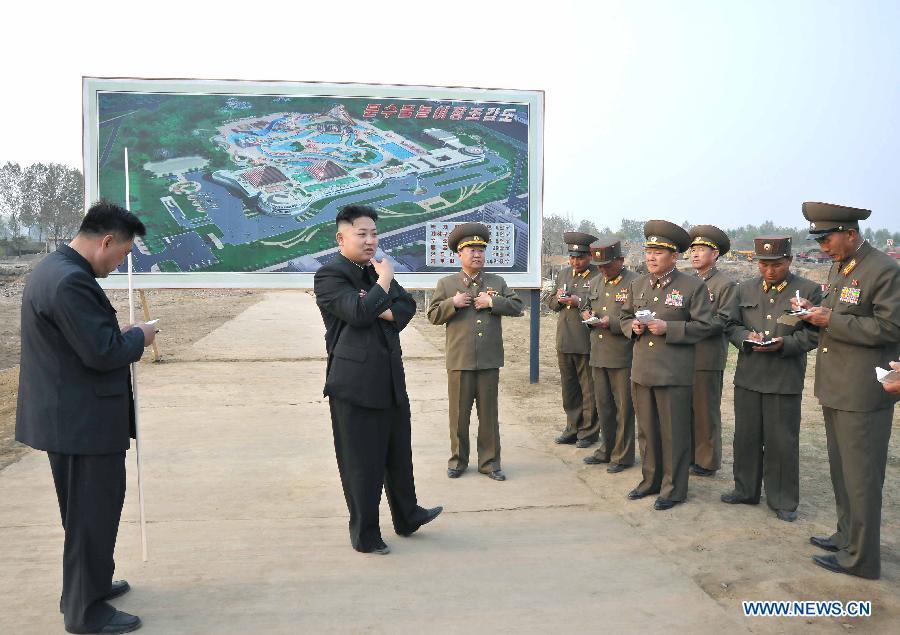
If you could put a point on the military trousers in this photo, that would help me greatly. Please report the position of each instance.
(578, 396)
(480, 387)
(767, 447)
(90, 490)
(615, 411)
(373, 450)
(664, 438)
(706, 424)
(857, 455)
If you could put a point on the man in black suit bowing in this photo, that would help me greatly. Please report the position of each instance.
(75, 403)
(364, 310)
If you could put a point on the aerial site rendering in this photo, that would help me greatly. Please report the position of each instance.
(252, 183)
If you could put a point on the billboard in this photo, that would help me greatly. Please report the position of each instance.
(238, 182)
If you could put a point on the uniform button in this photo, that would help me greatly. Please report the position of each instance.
(568, 306)
(603, 309)
(768, 317)
(478, 321)
(656, 299)
(771, 300)
(480, 334)
(600, 336)
(825, 349)
(651, 343)
(767, 332)
(607, 295)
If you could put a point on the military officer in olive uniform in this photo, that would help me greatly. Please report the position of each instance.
(611, 358)
(471, 304)
(859, 329)
(573, 345)
(662, 370)
(768, 381)
(708, 242)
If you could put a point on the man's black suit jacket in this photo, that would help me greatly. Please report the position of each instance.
(365, 364)
(74, 378)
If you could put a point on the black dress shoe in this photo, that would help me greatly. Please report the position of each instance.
(615, 468)
(733, 499)
(830, 563)
(121, 622)
(565, 439)
(455, 472)
(497, 475)
(663, 504)
(381, 549)
(584, 443)
(119, 587)
(786, 515)
(635, 494)
(430, 514)
(698, 470)
(592, 459)
(823, 543)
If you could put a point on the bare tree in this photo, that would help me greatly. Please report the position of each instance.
(12, 202)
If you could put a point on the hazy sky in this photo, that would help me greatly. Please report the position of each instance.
(713, 112)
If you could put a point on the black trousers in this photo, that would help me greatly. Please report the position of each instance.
(373, 450)
(91, 492)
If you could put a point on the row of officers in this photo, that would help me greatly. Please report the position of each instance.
(653, 349)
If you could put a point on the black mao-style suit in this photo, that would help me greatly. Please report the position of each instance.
(366, 387)
(75, 403)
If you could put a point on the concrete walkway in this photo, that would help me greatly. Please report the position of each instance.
(248, 527)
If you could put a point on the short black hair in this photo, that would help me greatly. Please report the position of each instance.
(350, 213)
(105, 217)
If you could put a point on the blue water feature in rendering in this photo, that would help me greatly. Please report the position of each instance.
(327, 138)
(397, 151)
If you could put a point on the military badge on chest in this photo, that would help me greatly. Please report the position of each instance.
(850, 295)
(674, 298)
(622, 296)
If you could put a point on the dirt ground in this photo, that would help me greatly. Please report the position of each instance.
(733, 554)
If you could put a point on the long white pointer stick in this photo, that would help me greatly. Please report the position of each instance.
(134, 383)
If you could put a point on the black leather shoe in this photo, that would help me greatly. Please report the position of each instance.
(119, 587)
(121, 622)
(584, 443)
(565, 439)
(823, 543)
(733, 499)
(830, 563)
(116, 589)
(615, 468)
(381, 549)
(430, 514)
(697, 470)
(663, 504)
(786, 515)
(497, 475)
(635, 494)
(455, 472)
(590, 459)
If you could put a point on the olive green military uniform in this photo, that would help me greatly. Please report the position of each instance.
(610, 363)
(474, 355)
(662, 369)
(573, 349)
(710, 356)
(863, 332)
(768, 389)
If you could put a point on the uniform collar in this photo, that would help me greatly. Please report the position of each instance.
(615, 280)
(709, 273)
(777, 287)
(663, 280)
(77, 258)
(847, 266)
(583, 274)
(468, 280)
